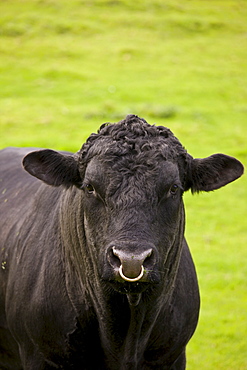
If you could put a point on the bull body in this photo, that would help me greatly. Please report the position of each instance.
(116, 203)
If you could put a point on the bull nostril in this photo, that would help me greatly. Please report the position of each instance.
(113, 258)
(149, 260)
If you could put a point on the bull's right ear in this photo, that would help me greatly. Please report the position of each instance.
(53, 168)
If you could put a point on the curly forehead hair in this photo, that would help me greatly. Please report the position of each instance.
(133, 135)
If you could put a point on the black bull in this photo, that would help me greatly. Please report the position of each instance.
(95, 270)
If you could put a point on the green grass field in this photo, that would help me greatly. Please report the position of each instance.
(68, 66)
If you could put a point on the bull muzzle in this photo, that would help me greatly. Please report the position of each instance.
(131, 264)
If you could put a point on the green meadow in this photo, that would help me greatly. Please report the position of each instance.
(68, 66)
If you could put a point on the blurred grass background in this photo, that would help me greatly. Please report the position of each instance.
(68, 66)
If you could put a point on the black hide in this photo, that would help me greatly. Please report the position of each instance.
(95, 271)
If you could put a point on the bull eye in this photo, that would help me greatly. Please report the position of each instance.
(90, 188)
(174, 188)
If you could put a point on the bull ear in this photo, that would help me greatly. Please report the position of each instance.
(213, 172)
(53, 168)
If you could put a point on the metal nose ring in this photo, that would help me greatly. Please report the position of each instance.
(130, 279)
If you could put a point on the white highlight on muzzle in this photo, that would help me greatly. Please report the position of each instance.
(130, 279)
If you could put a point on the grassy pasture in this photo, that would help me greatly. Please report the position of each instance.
(68, 66)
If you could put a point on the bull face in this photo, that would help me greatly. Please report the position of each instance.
(130, 178)
(134, 216)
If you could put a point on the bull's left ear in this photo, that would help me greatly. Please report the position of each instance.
(53, 168)
(213, 172)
